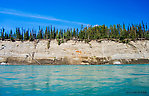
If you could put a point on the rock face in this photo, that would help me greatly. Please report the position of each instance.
(2, 60)
(71, 52)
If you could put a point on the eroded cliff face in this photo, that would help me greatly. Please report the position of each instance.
(71, 52)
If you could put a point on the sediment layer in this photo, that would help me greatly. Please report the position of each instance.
(47, 52)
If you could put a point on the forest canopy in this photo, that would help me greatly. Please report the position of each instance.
(113, 32)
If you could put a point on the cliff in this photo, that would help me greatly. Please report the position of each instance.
(72, 52)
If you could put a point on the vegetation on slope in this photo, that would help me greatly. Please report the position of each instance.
(114, 32)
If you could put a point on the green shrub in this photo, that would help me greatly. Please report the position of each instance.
(147, 36)
(48, 44)
(87, 41)
(59, 41)
(62, 41)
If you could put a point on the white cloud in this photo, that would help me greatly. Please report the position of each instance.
(36, 16)
(96, 25)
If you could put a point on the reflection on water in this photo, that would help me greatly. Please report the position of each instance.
(113, 80)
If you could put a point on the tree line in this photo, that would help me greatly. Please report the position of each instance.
(114, 32)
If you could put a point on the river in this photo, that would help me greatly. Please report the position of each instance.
(75, 80)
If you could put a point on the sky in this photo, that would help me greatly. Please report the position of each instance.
(71, 13)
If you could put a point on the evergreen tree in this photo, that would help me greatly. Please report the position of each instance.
(6, 36)
(140, 31)
(2, 34)
(115, 32)
(123, 33)
(65, 34)
(74, 33)
(111, 31)
(46, 36)
(77, 33)
(19, 36)
(60, 34)
(26, 35)
(68, 34)
(51, 33)
(40, 34)
(34, 34)
(54, 34)
(10, 35)
(71, 34)
(31, 37)
(57, 35)
(132, 33)
(81, 35)
(85, 33)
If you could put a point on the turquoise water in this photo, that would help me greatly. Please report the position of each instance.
(64, 80)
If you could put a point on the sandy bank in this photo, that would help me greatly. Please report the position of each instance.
(71, 52)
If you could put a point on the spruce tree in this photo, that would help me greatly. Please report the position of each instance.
(2, 35)
(74, 33)
(46, 35)
(60, 34)
(19, 36)
(57, 35)
(6, 36)
(54, 34)
(31, 37)
(10, 35)
(40, 34)
(51, 33)
(77, 33)
(71, 34)
(26, 35)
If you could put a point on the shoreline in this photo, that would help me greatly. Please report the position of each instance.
(56, 62)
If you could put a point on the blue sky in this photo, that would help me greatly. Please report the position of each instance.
(71, 13)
